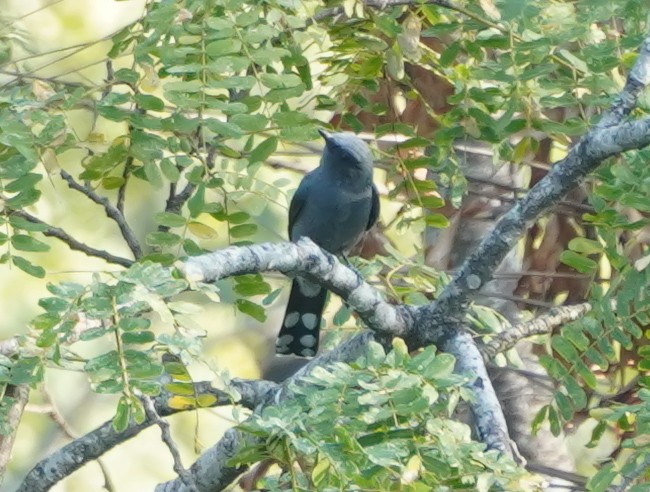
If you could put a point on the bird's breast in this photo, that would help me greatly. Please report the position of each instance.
(334, 217)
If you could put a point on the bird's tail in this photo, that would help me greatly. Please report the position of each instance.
(301, 326)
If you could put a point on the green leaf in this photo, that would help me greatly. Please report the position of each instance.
(169, 170)
(27, 267)
(250, 122)
(23, 242)
(240, 82)
(197, 202)
(137, 337)
(26, 197)
(280, 80)
(127, 75)
(554, 421)
(282, 95)
(224, 128)
(436, 220)
(169, 219)
(185, 389)
(575, 392)
(238, 217)
(129, 324)
(564, 406)
(24, 182)
(243, 230)
(122, 415)
(112, 182)
(253, 310)
(184, 86)
(110, 386)
(223, 47)
(603, 478)
(67, 290)
(149, 102)
(539, 419)
(249, 289)
(163, 239)
(564, 348)
(53, 304)
(263, 150)
(24, 224)
(94, 333)
(585, 246)
(579, 262)
(152, 173)
(268, 300)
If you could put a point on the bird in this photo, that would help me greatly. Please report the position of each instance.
(334, 205)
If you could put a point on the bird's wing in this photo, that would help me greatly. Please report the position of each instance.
(374, 208)
(297, 202)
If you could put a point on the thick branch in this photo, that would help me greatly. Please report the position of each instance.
(610, 137)
(307, 259)
(478, 269)
(91, 446)
(72, 243)
(20, 395)
(111, 211)
(489, 421)
(211, 472)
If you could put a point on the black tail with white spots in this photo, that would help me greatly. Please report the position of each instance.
(301, 325)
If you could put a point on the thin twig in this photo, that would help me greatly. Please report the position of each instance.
(121, 192)
(180, 470)
(557, 473)
(542, 324)
(36, 10)
(111, 211)
(72, 243)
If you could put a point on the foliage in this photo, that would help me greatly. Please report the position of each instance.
(382, 423)
(200, 95)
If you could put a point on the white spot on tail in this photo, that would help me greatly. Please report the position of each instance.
(308, 340)
(291, 319)
(307, 352)
(307, 288)
(309, 320)
(282, 343)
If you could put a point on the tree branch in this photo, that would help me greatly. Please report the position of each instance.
(72, 243)
(211, 472)
(77, 453)
(608, 138)
(111, 211)
(307, 259)
(442, 322)
(19, 395)
(542, 324)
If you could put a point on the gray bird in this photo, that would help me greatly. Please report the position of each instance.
(334, 206)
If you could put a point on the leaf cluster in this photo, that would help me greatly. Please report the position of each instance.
(382, 423)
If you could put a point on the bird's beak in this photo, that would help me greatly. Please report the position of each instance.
(324, 134)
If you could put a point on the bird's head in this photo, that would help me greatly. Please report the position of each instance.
(345, 151)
